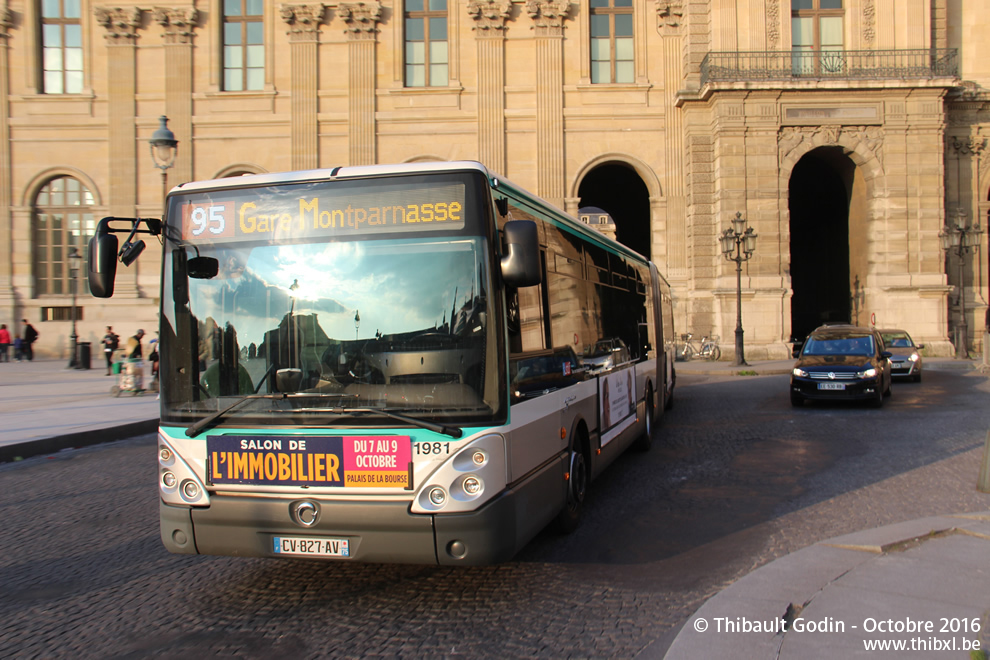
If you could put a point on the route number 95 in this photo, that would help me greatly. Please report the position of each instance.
(207, 220)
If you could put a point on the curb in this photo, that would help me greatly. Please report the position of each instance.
(56, 444)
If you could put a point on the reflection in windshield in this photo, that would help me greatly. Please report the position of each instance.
(389, 323)
(842, 345)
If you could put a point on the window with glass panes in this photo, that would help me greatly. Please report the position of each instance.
(426, 43)
(243, 45)
(816, 36)
(62, 219)
(611, 41)
(61, 46)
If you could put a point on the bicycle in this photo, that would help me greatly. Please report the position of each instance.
(709, 348)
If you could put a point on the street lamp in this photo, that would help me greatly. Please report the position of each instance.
(164, 147)
(959, 239)
(741, 240)
(74, 259)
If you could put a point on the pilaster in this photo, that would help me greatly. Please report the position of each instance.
(178, 25)
(548, 18)
(489, 17)
(121, 25)
(8, 302)
(304, 39)
(362, 20)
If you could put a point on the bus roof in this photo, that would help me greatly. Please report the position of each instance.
(359, 171)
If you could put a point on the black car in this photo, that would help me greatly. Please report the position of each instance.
(842, 362)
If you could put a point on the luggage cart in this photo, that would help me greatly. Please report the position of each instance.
(131, 377)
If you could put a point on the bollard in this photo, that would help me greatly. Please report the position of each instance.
(983, 483)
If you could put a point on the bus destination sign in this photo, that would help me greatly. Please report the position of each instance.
(328, 461)
(257, 214)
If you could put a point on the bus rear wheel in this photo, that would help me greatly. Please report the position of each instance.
(577, 487)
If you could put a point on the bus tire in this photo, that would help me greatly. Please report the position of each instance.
(645, 441)
(577, 489)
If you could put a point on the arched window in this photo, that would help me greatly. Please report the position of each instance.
(62, 220)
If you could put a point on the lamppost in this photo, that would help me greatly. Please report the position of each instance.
(959, 239)
(164, 147)
(74, 259)
(741, 240)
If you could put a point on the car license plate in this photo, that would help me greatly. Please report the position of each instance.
(831, 386)
(309, 547)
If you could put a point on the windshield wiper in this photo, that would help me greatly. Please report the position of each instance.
(452, 431)
(212, 420)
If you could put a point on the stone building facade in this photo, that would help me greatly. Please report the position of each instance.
(846, 132)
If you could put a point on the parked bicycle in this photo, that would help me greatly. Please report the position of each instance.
(688, 350)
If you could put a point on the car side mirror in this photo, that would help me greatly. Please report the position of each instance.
(886, 354)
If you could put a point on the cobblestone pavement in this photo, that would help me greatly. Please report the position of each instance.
(738, 479)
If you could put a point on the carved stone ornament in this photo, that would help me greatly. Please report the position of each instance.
(773, 24)
(969, 145)
(6, 22)
(178, 23)
(362, 18)
(669, 13)
(548, 15)
(303, 19)
(489, 14)
(869, 22)
(120, 23)
(862, 139)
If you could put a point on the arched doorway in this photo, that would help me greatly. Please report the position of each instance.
(828, 241)
(617, 189)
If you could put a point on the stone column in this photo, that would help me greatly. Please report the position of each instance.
(362, 20)
(178, 24)
(8, 303)
(671, 249)
(121, 26)
(489, 17)
(548, 18)
(304, 37)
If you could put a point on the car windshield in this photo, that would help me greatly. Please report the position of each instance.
(897, 340)
(839, 345)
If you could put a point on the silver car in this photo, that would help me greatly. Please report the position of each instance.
(905, 361)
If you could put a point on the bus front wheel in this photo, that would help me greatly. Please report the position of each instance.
(577, 487)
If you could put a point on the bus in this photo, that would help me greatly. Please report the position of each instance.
(416, 363)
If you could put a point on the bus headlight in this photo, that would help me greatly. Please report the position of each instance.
(179, 484)
(466, 480)
(438, 496)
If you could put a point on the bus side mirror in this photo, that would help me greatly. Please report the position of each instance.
(102, 263)
(521, 263)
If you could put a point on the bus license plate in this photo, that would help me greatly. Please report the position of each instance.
(831, 386)
(309, 547)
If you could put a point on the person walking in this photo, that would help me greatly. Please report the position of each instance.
(134, 345)
(30, 336)
(4, 343)
(111, 342)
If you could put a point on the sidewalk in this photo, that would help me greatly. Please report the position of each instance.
(45, 407)
(919, 588)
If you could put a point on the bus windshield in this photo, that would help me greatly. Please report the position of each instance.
(400, 321)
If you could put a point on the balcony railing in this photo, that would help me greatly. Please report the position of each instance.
(830, 65)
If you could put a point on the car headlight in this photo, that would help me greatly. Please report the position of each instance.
(799, 372)
(868, 373)
(914, 357)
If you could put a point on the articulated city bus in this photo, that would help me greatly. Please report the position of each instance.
(418, 363)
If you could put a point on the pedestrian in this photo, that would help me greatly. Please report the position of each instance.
(4, 343)
(134, 345)
(30, 336)
(111, 342)
(18, 349)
